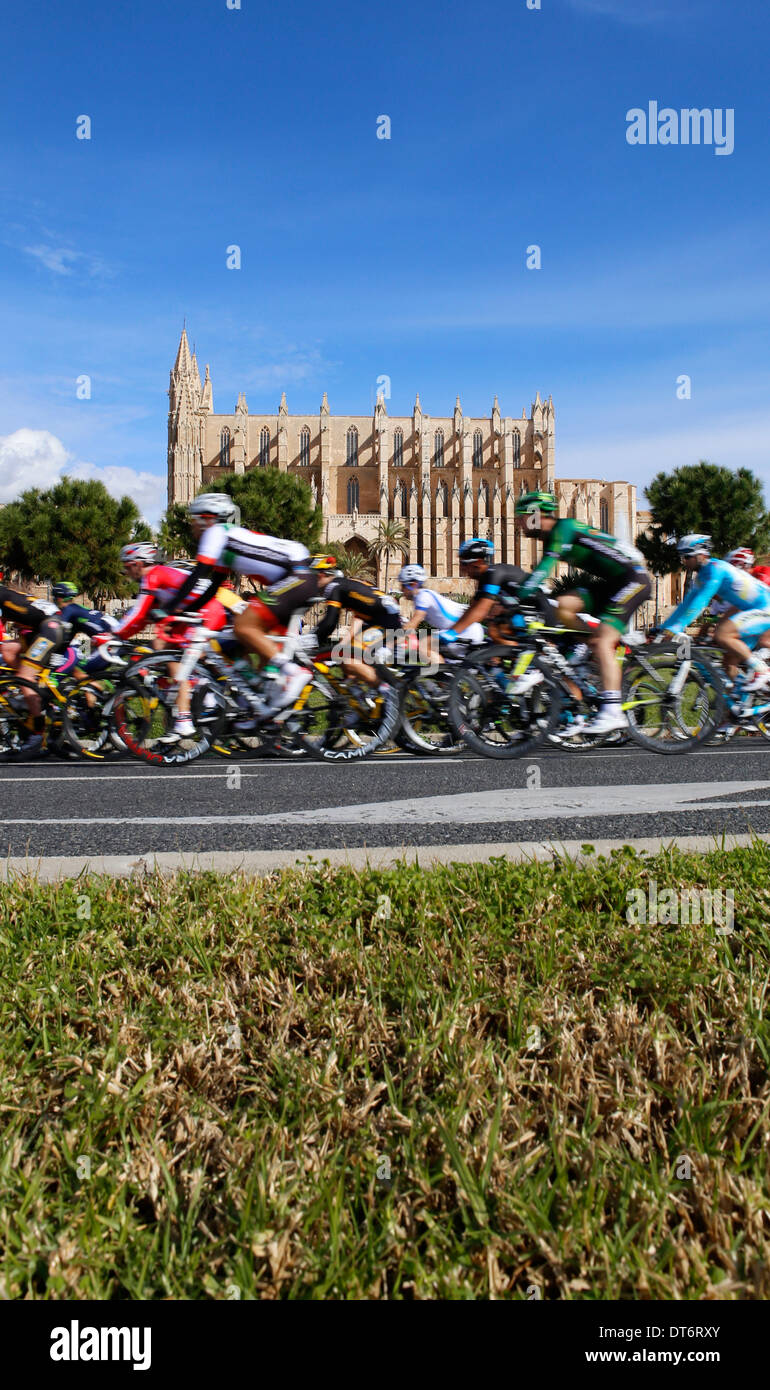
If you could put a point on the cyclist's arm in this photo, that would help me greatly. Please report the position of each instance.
(477, 612)
(687, 611)
(205, 576)
(557, 545)
(329, 621)
(136, 617)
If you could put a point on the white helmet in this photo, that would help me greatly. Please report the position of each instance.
(412, 574)
(694, 544)
(216, 504)
(145, 551)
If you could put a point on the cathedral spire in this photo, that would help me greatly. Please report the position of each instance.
(183, 364)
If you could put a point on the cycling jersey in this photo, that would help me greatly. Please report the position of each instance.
(501, 582)
(87, 620)
(159, 586)
(585, 548)
(268, 558)
(25, 611)
(717, 579)
(376, 609)
(442, 613)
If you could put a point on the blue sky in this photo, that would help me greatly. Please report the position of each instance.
(362, 257)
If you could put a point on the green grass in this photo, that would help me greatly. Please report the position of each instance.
(240, 1060)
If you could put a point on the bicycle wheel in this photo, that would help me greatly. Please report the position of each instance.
(85, 724)
(488, 714)
(334, 724)
(672, 705)
(17, 738)
(143, 718)
(424, 705)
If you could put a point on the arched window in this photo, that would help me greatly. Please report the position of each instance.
(351, 457)
(438, 449)
(442, 496)
(304, 447)
(264, 447)
(353, 494)
(516, 449)
(604, 517)
(224, 448)
(478, 449)
(403, 498)
(484, 497)
(398, 449)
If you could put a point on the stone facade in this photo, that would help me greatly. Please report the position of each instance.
(445, 477)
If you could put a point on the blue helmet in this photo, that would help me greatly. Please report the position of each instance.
(694, 544)
(476, 549)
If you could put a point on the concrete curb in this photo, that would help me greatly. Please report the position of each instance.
(258, 862)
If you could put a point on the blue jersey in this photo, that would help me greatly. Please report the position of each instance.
(90, 620)
(717, 579)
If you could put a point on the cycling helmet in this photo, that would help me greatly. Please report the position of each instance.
(762, 572)
(694, 544)
(476, 549)
(742, 557)
(329, 564)
(412, 574)
(529, 502)
(146, 551)
(216, 504)
(65, 589)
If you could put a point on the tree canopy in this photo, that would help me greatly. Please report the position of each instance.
(280, 504)
(726, 505)
(73, 530)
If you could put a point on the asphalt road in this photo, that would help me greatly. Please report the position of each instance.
(124, 808)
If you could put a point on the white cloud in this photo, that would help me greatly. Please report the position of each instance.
(62, 260)
(147, 489)
(36, 458)
(30, 458)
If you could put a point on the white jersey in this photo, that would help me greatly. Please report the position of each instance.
(268, 558)
(441, 613)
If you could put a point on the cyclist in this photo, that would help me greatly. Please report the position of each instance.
(494, 584)
(619, 585)
(159, 585)
(438, 612)
(280, 564)
(374, 608)
(746, 619)
(38, 620)
(743, 558)
(90, 621)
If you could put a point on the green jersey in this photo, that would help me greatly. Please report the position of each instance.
(586, 548)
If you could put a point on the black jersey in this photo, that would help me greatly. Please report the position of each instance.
(371, 605)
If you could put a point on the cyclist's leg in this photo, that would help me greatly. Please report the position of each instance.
(49, 638)
(739, 635)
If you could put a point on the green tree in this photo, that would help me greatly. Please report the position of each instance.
(392, 538)
(728, 506)
(280, 504)
(175, 536)
(73, 530)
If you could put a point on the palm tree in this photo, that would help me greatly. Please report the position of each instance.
(391, 536)
(353, 564)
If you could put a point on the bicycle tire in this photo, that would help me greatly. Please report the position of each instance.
(673, 735)
(530, 718)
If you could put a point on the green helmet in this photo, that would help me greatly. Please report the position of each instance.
(529, 502)
(64, 588)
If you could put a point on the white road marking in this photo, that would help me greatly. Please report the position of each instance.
(474, 808)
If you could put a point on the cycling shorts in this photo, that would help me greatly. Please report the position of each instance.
(277, 605)
(752, 622)
(615, 601)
